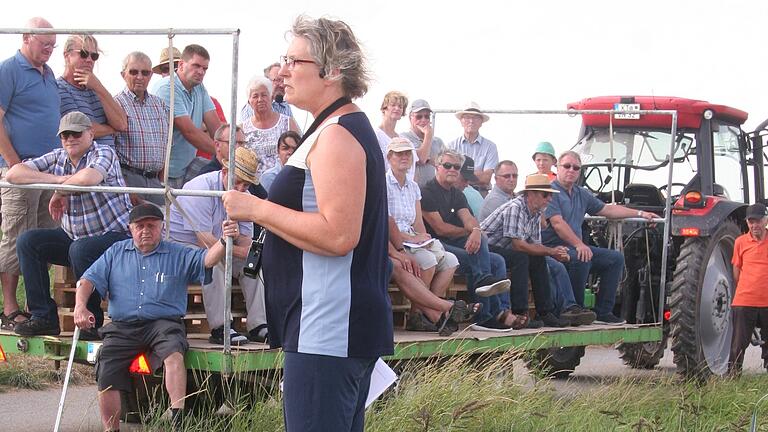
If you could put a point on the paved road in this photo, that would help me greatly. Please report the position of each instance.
(36, 410)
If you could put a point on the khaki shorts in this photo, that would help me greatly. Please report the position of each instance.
(22, 210)
(433, 255)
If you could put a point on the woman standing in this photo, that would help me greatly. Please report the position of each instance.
(325, 257)
(265, 126)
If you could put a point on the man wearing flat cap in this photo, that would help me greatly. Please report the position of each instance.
(479, 148)
(750, 271)
(146, 280)
(196, 221)
(90, 221)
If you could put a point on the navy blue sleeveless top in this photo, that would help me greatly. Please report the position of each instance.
(336, 306)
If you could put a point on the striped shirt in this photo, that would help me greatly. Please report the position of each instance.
(89, 213)
(402, 202)
(142, 146)
(512, 220)
(86, 101)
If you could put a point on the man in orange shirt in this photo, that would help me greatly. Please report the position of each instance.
(750, 271)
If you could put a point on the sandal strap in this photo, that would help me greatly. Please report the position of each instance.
(12, 316)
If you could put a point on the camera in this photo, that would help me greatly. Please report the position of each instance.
(253, 261)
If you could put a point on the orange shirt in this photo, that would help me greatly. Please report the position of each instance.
(752, 258)
(552, 176)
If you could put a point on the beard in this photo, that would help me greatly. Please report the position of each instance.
(279, 98)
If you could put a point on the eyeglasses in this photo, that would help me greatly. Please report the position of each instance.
(507, 176)
(291, 61)
(545, 194)
(144, 72)
(45, 45)
(418, 116)
(448, 166)
(85, 53)
(164, 69)
(570, 166)
(67, 134)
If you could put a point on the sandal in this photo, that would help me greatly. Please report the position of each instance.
(446, 325)
(517, 322)
(8, 322)
(462, 311)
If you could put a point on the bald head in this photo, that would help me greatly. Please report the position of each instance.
(38, 22)
(37, 48)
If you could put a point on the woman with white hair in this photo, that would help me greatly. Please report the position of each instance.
(264, 128)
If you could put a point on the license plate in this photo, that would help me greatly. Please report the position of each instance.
(627, 113)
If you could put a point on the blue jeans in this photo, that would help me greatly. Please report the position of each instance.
(324, 393)
(608, 264)
(562, 292)
(474, 266)
(39, 247)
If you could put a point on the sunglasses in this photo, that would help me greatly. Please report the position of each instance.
(67, 134)
(448, 166)
(84, 54)
(422, 116)
(507, 176)
(545, 194)
(144, 72)
(570, 166)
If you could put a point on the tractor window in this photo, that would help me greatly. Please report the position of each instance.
(725, 143)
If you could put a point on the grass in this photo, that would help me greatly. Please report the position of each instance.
(36, 373)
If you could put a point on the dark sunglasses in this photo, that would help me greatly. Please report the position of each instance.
(448, 166)
(545, 194)
(144, 73)
(507, 176)
(67, 134)
(84, 54)
(422, 116)
(569, 166)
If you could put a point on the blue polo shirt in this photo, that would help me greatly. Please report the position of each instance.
(192, 103)
(31, 104)
(151, 286)
(572, 207)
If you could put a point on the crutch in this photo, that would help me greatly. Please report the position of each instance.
(75, 337)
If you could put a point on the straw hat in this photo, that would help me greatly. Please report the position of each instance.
(164, 59)
(246, 164)
(473, 108)
(539, 182)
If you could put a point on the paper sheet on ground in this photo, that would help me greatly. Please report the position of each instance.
(418, 245)
(481, 328)
(381, 379)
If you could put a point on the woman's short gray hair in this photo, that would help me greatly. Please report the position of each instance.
(256, 82)
(335, 49)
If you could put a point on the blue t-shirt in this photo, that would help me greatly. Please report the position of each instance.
(87, 102)
(147, 287)
(31, 104)
(194, 104)
(572, 207)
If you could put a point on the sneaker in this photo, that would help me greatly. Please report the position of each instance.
(550, 320)
(417, 322)
(577, 315)
(609, 319)
(258, 334)
(535, 323)
(488, 286)
(37, 327)
(235, 338)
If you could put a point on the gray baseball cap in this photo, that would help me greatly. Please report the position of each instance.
(74, 121)
(419, 105)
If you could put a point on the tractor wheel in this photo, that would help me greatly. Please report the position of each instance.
(643, 355)
(700, 302)
(557, 362)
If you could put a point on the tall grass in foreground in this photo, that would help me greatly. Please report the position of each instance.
(479, 394)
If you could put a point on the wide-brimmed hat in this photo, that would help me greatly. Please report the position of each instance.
(473, 108)
(539, 182)
(399, 144)
(246, 165)
(468, 169)
(74, 121)
(164, 60)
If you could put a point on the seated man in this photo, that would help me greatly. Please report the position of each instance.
(503, 190)
(90, 221)
(448, 218)
(146, 280)
(467, 175)
(514, 232)
(196, 221)
(565, 214)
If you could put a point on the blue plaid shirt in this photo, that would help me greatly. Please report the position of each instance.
(512, 220)
(143, 145)
(89, 213)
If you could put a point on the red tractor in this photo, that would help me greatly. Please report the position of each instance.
(717, 172)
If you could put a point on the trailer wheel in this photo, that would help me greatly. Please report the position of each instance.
(700, 302)
(557, 362)
(643, 355)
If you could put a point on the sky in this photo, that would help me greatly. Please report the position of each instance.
(501, 54)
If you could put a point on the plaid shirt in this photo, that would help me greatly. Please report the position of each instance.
(512, 220)
(89, 213)
(402, 202)
(143, 145)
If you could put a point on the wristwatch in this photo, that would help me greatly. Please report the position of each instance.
(223, 242)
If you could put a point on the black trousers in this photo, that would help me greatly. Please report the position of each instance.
(745, 319)
(520, 267)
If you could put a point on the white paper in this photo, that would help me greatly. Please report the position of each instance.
(381, 379)
(418, 245)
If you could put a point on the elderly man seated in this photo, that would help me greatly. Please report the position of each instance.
(196, 221)
(146, 281)
(90, 221)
